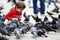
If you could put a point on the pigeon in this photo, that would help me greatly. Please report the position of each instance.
(56, 9)
(45, 19)
(27, 18)
(49, 13)
(36, 18)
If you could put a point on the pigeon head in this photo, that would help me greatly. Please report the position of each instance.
(45, 19)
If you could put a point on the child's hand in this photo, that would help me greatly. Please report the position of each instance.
(15, 19)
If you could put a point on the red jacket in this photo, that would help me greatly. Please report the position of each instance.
(13, 14)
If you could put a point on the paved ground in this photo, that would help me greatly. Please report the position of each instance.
(29, 11)
(28, 36)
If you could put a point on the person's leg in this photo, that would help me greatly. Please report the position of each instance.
(35, 6)
(14, 1)
(55, 3)
(22, 0)
(49, 2)
(56, 9)
(8, 0)
(29, 2)
(42, 6)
